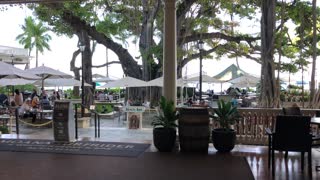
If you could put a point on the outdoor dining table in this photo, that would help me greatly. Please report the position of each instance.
(41, 112)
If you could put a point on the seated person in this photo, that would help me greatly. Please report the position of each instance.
(101, 96)
(4, 101)
(129, 102)
(35, 102)
(25, 108)
(190, 102)
(45, 104)
(110, 97)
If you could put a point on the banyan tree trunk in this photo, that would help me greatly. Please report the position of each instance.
(267, 94)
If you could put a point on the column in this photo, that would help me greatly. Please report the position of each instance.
(169, 51)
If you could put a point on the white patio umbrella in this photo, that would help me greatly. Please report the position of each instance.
(60, 82)
(96, 76)
(8, 71)
(125, 82)
(159, 82)
(46, 72)
(15, 81)
(246, 80)
(205, 78)
(103, 79)
(244, 84)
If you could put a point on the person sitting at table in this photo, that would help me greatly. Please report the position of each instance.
(25, 108)
(189, 102)
(18, 98)
(34, 93)
(35, 102)
(101, 96)
(45, 104)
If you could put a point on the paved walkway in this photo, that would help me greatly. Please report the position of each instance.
(111, 130)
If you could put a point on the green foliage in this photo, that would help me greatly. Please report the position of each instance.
(167, 116)
(226, 115)
(34, 35)
(4, 129)
(291, 86)
(101, 108)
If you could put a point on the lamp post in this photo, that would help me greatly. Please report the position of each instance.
(82, 47)
(200, 46)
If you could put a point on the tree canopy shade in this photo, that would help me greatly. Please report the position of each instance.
(31, 1)
(111, 22)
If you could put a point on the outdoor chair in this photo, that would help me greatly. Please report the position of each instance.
(291, 111)
(194, 130)
(292, 133)
(295, 110)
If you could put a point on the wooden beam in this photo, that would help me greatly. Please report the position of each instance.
(32, 1)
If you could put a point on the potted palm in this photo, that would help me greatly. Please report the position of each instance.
(224, 138)
(164, 126)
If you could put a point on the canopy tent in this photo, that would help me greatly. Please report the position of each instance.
(229, 73)
(60, 82)
(159, 82)
(8, 71)
(246, 80)
(47, 72)
(125, 82)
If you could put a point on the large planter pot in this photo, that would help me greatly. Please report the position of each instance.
(223, 140)
(164, 139)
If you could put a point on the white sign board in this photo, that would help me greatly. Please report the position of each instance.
(137, 109)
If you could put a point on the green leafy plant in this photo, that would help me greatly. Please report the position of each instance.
(104, 108)
(4, 130)
(167, 116)
(226, 115)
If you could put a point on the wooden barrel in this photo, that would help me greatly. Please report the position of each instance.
(194, 130)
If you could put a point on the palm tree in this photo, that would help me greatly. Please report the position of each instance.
(34, 35)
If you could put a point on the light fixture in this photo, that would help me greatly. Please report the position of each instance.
(200, 45)
(81, 46)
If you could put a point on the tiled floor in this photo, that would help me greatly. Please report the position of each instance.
(113, 130)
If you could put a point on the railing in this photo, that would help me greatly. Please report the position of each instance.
(251, 130)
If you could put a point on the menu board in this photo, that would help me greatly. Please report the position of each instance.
(63, 121)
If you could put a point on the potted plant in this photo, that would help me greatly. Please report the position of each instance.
(164, 126)
(224, 138)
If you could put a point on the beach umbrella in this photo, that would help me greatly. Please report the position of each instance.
(60, 82)
(46, 72)
(8, 71)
